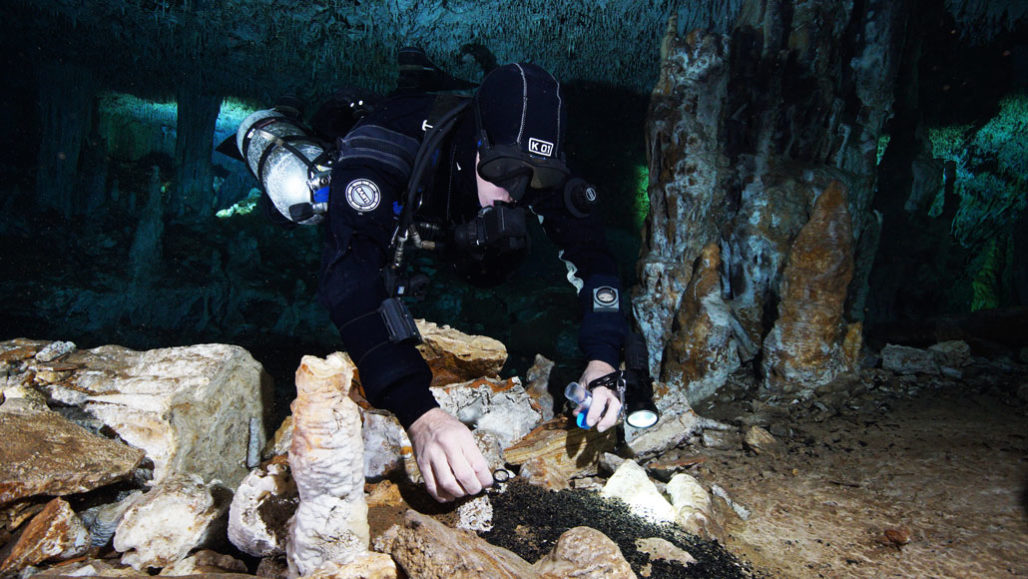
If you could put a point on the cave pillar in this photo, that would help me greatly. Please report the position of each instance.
(686, 169)
(745, 134)
(194, 146)
(811, 344)
(66, 96)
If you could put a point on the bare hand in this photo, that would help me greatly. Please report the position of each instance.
(606, 405)
(450, 461)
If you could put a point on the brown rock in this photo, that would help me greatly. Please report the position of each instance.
(703, 352)
(89, 568)
(384, 494)
(14, 515)
(538, 378)
(770, 217)
(540, 472)
(55, 533)
(14, 350)
(759, 440)
(687, 169)
(428, 549)
(584, 552)
(43, 453)
(659, 549)
(205, 562)
(805, 348)
(455, 356)
(563, 446)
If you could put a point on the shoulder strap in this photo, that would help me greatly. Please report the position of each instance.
(446, 109)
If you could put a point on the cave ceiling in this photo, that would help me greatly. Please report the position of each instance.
(261, 49)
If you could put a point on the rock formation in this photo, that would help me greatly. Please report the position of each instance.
(810, 343)
(175, 517)
(188, 408)
(326, 458)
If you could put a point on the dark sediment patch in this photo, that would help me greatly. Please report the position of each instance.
(528, 520)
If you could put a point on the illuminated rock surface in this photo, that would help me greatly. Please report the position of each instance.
(43, 453)
(55, 533)
(326, 460)
(811, 344)
(173, 518)
(188, 408)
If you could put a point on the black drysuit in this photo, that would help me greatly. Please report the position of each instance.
(368, 188)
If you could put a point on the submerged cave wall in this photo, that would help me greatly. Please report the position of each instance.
(753, 118)
(749, 132)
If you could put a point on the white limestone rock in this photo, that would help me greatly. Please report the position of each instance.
(631, 484)
(692, 504)
(500, 407)
(476, 514)
(677, 423)
(102, 520)
(385, 443)
(330, 526)
(164, 525)
(953, 354)
(187, 408)
(257, 518)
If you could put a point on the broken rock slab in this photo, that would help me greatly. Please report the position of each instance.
(675, 426)
(562, 447)
(944, 357)
(261, 508)
(501, 407)
(161, 527)
(43, 453)
(425, 548)
(455, 356)
(55, 533)
(188, 408)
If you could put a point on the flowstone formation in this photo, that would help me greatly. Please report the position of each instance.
(738, 162)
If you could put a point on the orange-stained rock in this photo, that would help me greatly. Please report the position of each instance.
(563, 446)
(326, 460)
(45, 454)
(55, 533)
(805, 349)
(426, 548)
(384, 494)
(584, 552)
(687, 170)
(541, 472)
(455, 356)
(772, 212)
(703, 352)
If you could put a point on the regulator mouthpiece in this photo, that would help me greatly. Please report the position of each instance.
(581, 397)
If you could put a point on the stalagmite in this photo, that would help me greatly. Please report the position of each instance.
(330, 527)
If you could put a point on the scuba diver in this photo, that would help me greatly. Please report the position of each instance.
(459, 175)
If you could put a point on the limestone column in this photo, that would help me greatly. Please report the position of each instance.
(66, 94)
